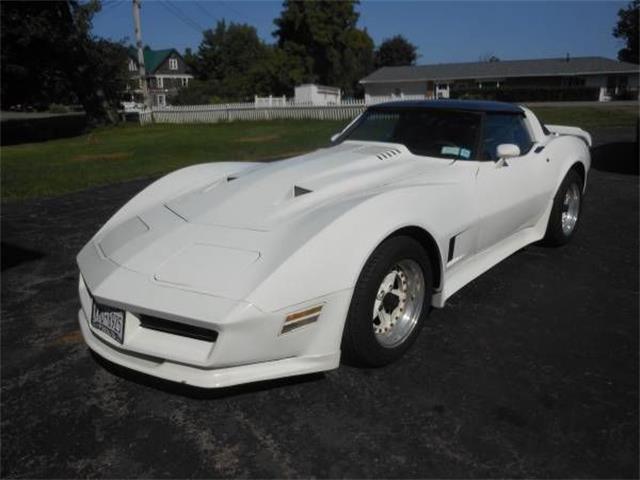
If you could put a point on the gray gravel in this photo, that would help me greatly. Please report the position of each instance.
(530, 371)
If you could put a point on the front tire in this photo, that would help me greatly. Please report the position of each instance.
(390, 303)
(565, 213)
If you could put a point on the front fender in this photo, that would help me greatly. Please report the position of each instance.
(331, 259)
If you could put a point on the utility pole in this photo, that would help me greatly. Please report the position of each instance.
(141, 69)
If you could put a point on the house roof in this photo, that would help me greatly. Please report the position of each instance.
(460, 105)
(152, 58)
(502, 69)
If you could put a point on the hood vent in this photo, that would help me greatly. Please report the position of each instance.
(388, 154)
(299, 191)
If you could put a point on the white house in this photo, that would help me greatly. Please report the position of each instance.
(317, 94)
(597, 77)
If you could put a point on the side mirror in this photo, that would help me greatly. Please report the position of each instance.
(508, 150)
(334, 137)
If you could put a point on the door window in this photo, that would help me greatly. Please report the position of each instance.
(502, 128)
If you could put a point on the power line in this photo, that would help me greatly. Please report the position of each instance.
(183, 16)
(180, 15)
(205, 11)
(233, 9)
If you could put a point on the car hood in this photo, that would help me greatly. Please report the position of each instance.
(225, 238)
(262, 197)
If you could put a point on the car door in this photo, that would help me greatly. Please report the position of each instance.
(509, 192)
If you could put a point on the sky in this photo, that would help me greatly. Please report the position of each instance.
(453, 31)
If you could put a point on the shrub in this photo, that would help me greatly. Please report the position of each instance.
(57, 108)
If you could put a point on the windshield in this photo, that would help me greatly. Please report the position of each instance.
(434, 133)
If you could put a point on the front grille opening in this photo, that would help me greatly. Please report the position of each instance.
(175, 328)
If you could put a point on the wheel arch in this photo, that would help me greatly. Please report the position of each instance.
(580, 169)
(427, 241)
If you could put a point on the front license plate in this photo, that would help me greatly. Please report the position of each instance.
(108, 320)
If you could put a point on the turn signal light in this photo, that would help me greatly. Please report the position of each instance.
(301, 318)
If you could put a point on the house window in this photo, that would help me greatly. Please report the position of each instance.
(184, 81)
(161, 100)
(132, 66)
(159, 82)
(173, 64)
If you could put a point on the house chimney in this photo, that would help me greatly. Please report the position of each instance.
(568, 57)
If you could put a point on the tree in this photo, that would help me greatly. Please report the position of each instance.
(197, 93)
(396, 51)
(627, 30)
(488, 58)
(277, 73)
(323, 38)
(226, 56)
(48, 54)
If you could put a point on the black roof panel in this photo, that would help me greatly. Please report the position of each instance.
(466, 105)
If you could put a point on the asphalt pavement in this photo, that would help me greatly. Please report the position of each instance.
(529, 371)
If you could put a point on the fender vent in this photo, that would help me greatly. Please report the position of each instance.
(388, 154)
(452, 247)
(231, 178)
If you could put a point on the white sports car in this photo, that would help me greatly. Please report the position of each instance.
(225, 273)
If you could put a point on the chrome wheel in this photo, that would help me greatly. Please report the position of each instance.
(570, 209)
(398, 303)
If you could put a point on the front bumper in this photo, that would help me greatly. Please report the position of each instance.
(250, 345)
(203, 377)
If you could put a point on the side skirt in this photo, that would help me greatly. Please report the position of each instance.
(483, 261)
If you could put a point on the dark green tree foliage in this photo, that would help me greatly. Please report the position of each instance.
(49, 56)
(191, 59)
(227, 58)
(627, 29)
(277, 73)
(396, 51)
(198, 92)
(323, 38)
(233, 64)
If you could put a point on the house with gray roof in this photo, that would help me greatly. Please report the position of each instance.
(597, 77)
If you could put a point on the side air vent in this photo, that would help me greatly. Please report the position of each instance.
(388, 154)
(299, 191)
(175, 328)
(231, 178)
(452, 247)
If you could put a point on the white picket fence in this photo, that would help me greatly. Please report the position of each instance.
(269, 101)
(288, 109)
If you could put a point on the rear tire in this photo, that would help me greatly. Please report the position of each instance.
(390, 303)
(566, 210)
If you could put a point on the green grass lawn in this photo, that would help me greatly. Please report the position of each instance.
(114, 154)
(589, 117)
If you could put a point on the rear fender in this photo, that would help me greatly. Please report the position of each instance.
(573, 131)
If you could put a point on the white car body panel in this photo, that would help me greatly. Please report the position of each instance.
(237, 247)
